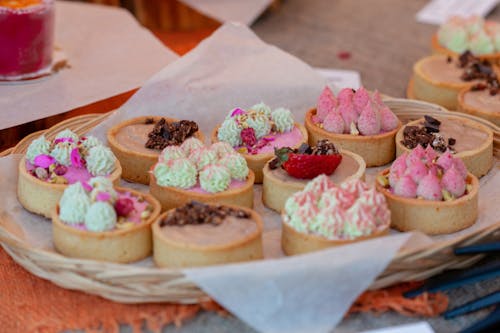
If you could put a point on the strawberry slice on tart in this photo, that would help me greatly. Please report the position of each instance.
(291, 169)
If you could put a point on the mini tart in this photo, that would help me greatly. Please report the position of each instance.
(41, 197)
(426, 88)
(432, 217)
(294, 242)
(171, 197)
(276, 191)
(492, 116)
(136, 164)
(119, 245)
(376, 150)
(168, 252)
(437, 48)
(256, 162)
(478, 161)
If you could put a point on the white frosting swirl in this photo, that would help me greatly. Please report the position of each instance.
(230, 132)
(67, 133)
(39, 146)
(283, 120)
(101, 216)
(100, 161)
(62, 152)
(215, 178)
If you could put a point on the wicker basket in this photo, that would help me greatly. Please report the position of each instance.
(133, 284)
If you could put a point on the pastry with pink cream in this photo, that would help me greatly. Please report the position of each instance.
(428, 192)
(27, 38)
(95, 220)
(256, 132)
(358, 121)
(191, 171)
(324, 215)
(49, 166)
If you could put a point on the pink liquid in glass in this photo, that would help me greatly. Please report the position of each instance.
(26, 37)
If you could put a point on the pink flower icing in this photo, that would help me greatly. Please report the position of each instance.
(360, 99)
(44, 161)
(326, 103)
(369, 120)
(453, 182)
(430, 188)
(406, 187)
(430, 154)
(417, 170)
(445, 161)
(346, 110)
(397, 169)
(334, 123)
(388, 119)
(460, 166)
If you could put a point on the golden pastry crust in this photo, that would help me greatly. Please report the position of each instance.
(294, 242)
(120, 245)
(172, 197)
(478, 161)
(257, 162)
(493, 117)
(432, 217)
(40, 197)
(376, 150)
(170, 253)
(275, 191)
(136, 164)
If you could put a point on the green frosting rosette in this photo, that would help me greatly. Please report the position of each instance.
(171, 153)
(67, 133)
(89, 142)
(481, 43)
(191, 144)
(202, 157)
(262, 108)
(100, 161)
(329, 222)
(229, 131)
(283, 120)
(102, 184)
(237, 166)
(215, 178)
(101, 216)
(62, 152)
(177, 173)
(39, 146)
(74, 204)
(222, 148)
(259, 122)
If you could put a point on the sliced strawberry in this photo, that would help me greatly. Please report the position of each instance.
(309, 166)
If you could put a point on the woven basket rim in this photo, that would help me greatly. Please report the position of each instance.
(45, 263)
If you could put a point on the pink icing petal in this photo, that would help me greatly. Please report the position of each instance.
(406, 187)
(44, 161)
(417, 171)
(460, 166)
(86, 186)
(377, 98)
(346, 110)
(445, 161)
(430, 154)
(326, 103)
(76, 159)
(102, 196)
(334, 123)
(345, 96)
(388, 119)
(369, 120)
(360, 99)
(417, 154)
(453, 182)
(56, 141)
(237, 112)
(430, 188)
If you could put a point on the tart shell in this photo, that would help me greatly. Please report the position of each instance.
(41, 197)
(294, 242)
(120, 245)
(137, 164)
(170, 253)
(478, 161)
(376, 150)
(173, 197)
(257, 162)
(432, 217)
(275, 191)
(493, 117)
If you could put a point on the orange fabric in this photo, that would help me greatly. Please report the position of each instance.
(31, 304)
(383, 300)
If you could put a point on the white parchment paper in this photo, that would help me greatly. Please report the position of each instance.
(244, 11)
(308, 293)
(109, 53)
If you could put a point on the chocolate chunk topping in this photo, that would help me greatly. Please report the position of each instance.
(167, 134)
(448, 59)
(451, 141)
(414, 136)
(196, 212)
(476, 69)
(425, 135)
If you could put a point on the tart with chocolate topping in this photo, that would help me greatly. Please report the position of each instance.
(291, 170)
(324, 214)
(256, 132)
(94, 220)
(199, 234)
(466, 139)
(482, 100)
(357, 121)
(438, 78)
(137, 142)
